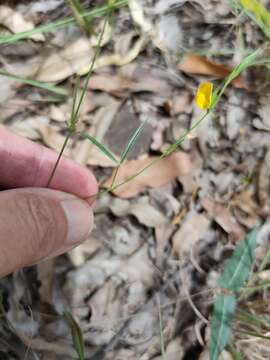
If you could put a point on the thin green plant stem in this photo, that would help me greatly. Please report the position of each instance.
(265, 261)
(43, 85)
(95, 13)
(74, 114)
(115, 175)
(96, 54)
(82, 21)
(252, 333)
(59, 158)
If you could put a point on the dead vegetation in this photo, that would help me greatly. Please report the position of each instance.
(142, 286)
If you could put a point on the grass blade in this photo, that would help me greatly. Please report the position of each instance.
(240, 264)
(247, 61)
(224, 308)
(76, 335)
(75, 109)
(132, 141)
(101, 147)
(78, 11)
(257, 12)
(95, 13)
(49, 87)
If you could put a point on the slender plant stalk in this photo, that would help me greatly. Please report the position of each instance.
(59, 158)
(75, 110)
(115, 175)
(96, 54)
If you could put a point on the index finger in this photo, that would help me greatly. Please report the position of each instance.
(24, 163)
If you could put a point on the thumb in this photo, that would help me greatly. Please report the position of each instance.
(39, 223)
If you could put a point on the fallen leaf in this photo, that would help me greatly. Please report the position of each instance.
(200, 65)
(59, 65)
(189, 233)
(223, 217)
(117, 59)
(138, 16)
(159, 174)
(245, 209)
(96, 157)
(141, 81)
(146, 214)
(114, 84)
(52, 138)
(16, 23)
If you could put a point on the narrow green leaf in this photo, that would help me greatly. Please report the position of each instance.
(240, 264)
(76, 335)
(132, 141)
(101, 147)
(224, 308)
(249, 60)
(78, 11)
(235, 354)
(73, 119)
(49, 87)
(257, 12)
(252, 320)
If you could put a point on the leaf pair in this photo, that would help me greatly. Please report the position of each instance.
(128, 148)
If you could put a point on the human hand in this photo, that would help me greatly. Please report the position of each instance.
(37, 223)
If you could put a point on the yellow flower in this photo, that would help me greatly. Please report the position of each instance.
(204, 95)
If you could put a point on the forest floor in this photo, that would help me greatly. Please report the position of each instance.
(143, 285)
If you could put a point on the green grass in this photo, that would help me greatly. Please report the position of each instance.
(83, 21)
(38, 84)
(257, 12)
(77, 336)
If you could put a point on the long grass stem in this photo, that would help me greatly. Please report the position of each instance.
(58, 158)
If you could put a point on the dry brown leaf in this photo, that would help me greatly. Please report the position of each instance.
(138, 16)
(39, 344)
(52, 137)
(146, 214)
(66, 62)
(109, 83)
(245, 209)
(223, 217)
(117, 59)
(97, 158)
(190, 232)
(139, 81)
(159, 174)
(16, 23)
(200, 65)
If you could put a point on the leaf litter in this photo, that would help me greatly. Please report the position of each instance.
(184, 214)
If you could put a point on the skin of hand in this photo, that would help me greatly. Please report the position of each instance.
(36, 222)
